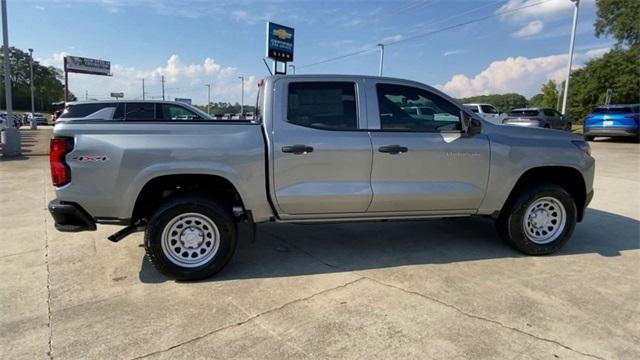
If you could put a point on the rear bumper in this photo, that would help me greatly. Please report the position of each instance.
(70, 217)
(610, 131)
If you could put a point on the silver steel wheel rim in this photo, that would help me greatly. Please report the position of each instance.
(190, 240)
(544, 220)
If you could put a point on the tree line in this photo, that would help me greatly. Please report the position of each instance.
(48, 85)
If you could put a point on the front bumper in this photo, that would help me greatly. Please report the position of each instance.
(608, 131)
(71, 217)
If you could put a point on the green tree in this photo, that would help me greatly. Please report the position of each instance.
(48, 87)
(618, 70)
(620, 19)
(548, 96)
(503, 102)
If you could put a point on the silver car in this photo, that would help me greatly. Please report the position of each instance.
(537, 117)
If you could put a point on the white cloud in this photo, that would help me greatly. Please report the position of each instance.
(455, 52)
(39, 7)
(181, 80)
(516, 74)
(529, 9)
(393, 38)
(532, 28)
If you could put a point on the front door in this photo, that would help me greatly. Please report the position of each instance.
(321, 160)
(424, 163)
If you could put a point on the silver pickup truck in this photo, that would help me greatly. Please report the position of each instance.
(320, 149)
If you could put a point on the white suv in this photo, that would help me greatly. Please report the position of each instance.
(487, 111)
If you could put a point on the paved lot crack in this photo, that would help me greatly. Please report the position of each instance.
(433, 299)
(18, 254)
(249, 319)
(479, 317)
(46, 261)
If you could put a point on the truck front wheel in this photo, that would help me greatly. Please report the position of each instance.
(190, 238)
(538, 221)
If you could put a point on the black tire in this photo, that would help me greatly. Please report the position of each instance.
(569, 127)
(588, 138)
(511, 227)
(169, 212)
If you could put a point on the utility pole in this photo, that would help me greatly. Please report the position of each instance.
(86, 95)
(162, 87)
(10, 136)
(573, 39)
(293, 69)
(33, 125)
(558, 101)
(381, 58)
(242, 101)
(208, 98)
(142, 88)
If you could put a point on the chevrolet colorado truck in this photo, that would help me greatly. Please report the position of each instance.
(322, 148)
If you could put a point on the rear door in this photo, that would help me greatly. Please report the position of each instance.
(321, 159)
(423, 164)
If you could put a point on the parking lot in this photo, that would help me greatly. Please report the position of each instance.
(437, 289)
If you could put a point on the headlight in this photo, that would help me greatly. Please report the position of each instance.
(582, 145)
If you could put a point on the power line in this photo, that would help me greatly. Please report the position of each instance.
(428, 33)
(466, 23)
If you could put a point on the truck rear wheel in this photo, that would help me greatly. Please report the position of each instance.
(538, 221)
(190, 238)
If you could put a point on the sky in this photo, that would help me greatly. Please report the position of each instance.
(519, 46)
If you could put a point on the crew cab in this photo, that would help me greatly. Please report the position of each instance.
(322, 148)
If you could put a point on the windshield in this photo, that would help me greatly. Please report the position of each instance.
(525, 113)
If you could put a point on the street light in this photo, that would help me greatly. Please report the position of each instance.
(381, 58)
(10, 136)
(34, 124)
(242, 99)
(208, 98)
(573, 39)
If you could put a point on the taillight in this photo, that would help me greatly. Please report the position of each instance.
(60, 172)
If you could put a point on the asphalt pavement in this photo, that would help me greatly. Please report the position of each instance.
(436, 289)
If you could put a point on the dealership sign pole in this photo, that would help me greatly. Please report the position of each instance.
(279, 45)
(82, 65)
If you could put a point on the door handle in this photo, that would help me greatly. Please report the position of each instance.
(393, 149)
(297, 149)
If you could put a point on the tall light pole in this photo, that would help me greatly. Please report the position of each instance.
(208, 98)
(10, 136)
(143, 94)
(381, 58)
(573, 39)
(242, 101)
(33, 125)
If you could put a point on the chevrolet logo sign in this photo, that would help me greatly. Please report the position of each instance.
(282, 34)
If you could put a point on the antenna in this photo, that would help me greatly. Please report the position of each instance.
(267, 65)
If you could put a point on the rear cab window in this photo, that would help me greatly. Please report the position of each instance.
(323, 105)
(614, 110)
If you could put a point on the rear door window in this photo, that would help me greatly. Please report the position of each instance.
(140, 112)
(176, 113)
(323, 105)
(83, 110)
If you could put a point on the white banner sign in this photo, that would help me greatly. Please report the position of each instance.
(87, 66)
